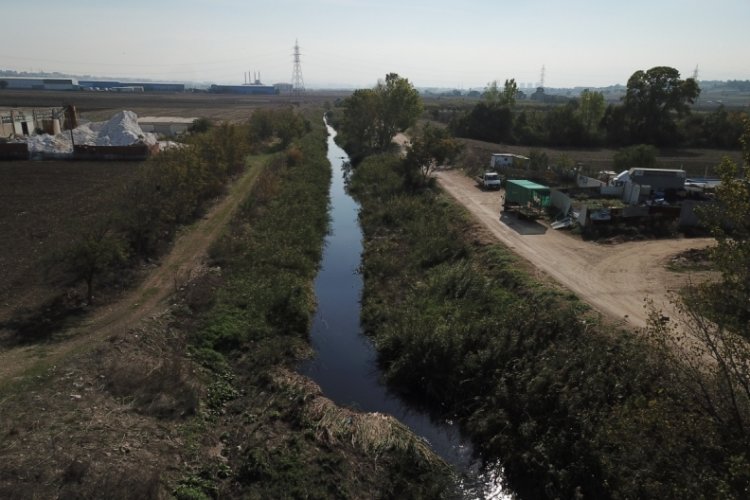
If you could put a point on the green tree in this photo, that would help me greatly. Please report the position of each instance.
(289, 125)
(97, 251)
(200, 125)
(491, 93)
(494, 96)
(708, 351)
(510, 92)
(358, 124)
(591, 109)
(564, 126)
(399, 106)
(641, 156)
(729, 222)
(432, 147)
(372, 117)
(654, 100)
(485, 122)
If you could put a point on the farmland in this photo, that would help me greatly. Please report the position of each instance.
(102, 105)
(44, 205)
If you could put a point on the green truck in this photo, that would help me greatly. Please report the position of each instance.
(526, 198)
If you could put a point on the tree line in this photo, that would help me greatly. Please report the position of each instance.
(656, 110)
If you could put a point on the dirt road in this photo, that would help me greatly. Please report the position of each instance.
(614, 279)
(183, 261)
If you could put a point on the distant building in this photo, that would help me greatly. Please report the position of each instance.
(499, 160)
(98, 85)
(16, 122)
(244, 89)
(283, 88)
(165, 125)
(146, 86)
(14, 83)
(129, 89)
(160, 87)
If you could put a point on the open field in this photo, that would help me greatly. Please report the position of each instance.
(218, 107)
(43, 205)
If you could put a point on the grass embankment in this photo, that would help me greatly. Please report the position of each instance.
(567, 407)
(282, 439)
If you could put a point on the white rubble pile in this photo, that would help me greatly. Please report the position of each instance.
(120, 130)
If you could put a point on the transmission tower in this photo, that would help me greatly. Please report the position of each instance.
(541, 78)
(695, 73)
(298, 84)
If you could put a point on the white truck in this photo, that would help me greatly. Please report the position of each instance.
(488, 180)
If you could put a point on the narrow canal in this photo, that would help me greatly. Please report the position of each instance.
(345, 364)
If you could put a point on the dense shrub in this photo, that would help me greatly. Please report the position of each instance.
(570, 407)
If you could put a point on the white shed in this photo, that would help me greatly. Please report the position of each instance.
(499, 160)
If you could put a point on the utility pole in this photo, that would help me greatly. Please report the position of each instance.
(298, 84)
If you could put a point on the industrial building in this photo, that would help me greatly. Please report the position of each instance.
(165, 125)
(146, 86)
(499, 160)
(16, 122)
(243, 89)
(283, 88)
(14, 83)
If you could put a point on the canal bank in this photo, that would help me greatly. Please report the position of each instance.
(345, 362)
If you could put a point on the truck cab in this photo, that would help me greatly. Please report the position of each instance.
(489, 180)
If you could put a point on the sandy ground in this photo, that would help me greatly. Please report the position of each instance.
(182, 263)
(614, 279)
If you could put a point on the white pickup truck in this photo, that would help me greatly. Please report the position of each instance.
(488, 180)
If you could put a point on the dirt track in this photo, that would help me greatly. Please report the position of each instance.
(184, 260)
(614, 279)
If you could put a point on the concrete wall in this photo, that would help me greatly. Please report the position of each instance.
(50, 120)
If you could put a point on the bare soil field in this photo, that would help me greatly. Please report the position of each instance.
(42, 206)
(217, 107)
(614, 279)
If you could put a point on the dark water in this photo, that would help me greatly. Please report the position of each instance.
(345, 363)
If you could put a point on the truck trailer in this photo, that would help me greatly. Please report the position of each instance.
(526, 198)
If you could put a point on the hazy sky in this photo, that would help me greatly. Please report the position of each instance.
(458, 44)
